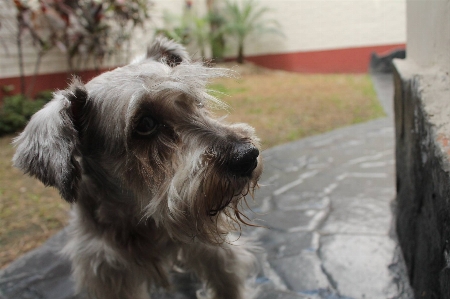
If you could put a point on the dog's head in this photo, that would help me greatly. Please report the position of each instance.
(145, 133)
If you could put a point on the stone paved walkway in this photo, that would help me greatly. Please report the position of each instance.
(326, 204)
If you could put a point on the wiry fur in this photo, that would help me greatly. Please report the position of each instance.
(144, 204)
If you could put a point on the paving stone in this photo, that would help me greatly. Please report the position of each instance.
(278, 245)
(282, 295)
(359, 265)
(373, 185)
(302, 273)
(322, 184)
(385, 91)
(358, 215)
(300, 200)
(289, 221)
(285, 182)
(31, 276)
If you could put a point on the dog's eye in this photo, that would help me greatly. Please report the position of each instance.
(146, 126)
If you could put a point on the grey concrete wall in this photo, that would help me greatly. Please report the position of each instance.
(422, 118)
(428, 39)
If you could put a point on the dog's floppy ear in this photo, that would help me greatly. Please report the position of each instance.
(168, 51)
(47, 147)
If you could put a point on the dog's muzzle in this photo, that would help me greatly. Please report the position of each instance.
(244, 159)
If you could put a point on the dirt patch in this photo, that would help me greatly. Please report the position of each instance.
(29, 212)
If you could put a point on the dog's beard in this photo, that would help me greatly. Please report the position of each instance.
(201, 202)
(220, 202)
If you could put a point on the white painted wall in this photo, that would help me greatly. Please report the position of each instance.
(311, 25)
(428, 33)
(308, 25)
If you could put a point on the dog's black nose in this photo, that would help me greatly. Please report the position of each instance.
(243, 159)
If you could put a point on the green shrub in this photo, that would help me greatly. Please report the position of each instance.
(45, 96)
(18, 109)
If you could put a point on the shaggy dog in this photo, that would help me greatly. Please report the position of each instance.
(156, 182)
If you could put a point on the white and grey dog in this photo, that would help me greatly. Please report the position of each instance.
(156, 182)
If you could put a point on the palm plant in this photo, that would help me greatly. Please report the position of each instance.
(175, 27)
(245, 20)
(216, 34)
(187, 29)
(200, 33)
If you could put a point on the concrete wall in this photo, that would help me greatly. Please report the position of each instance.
(422, 127)
(428, 33)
